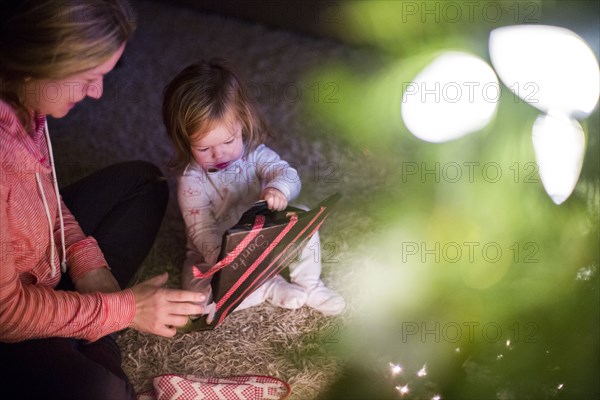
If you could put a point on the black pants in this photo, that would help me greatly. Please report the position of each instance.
(122, 207)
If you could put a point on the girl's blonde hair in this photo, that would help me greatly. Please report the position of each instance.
(202, 96)
(54, 39)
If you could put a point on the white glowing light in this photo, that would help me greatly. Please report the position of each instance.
(436, 397)
(507, 342)
(403, 389)
(499, 357)
(559, 387)
(455, 95)
(395, 368)
(457, 350)
(549, 67)
(586, 273)
(559, 145)
(422, 372)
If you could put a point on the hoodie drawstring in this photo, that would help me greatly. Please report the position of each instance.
(63, 264)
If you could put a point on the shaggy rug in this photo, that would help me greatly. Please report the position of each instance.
(296, 346)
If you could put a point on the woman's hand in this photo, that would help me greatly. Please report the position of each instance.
(276, 200)
(160, 310)
(97, 280)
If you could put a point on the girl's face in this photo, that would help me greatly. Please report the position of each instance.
(220, 147)
(57, 97)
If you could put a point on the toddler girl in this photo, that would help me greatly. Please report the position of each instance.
(223, 170)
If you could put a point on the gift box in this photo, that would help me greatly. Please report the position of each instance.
(254, 250)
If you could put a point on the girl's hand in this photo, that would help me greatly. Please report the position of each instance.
(276, 200)
(160, 310)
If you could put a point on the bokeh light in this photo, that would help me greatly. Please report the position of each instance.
(559, 144)
(549, 67)
(455, 95)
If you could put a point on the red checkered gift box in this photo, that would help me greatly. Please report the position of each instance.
(190, 387)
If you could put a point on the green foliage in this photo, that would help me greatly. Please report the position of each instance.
(474, 271)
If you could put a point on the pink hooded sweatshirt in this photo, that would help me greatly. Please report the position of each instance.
(31, 247)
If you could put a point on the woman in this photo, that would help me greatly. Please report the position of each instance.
(65, 261)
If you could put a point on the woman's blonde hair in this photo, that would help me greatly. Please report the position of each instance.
(202, 96)
(54, 39)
